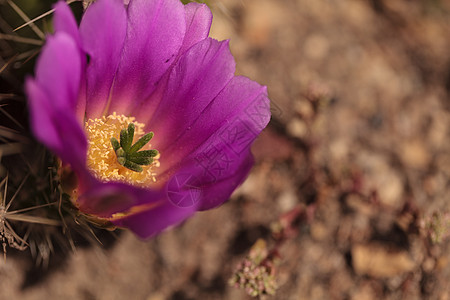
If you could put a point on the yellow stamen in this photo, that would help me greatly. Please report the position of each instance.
(101, 158)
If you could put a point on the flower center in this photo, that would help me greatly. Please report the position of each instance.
(118, 150)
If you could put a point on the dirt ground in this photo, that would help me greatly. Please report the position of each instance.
(354, 168)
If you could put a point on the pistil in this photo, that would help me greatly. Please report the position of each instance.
(129, 155)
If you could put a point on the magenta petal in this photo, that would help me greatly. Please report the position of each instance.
(217, 173)
(220, 190)
(103, 31)
(242, 101)
(56, 128)
(58, 70)
(198, 22)
(64, 21)
(218, 167)
(106, 198)
(154, 36)
(75, 143)
(217, 145)
(151, 59)
(41, 121)
(197, 78)
(152, 221)
(53, 96)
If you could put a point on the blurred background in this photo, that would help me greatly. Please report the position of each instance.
(350, 194)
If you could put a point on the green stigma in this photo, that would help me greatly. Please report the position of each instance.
(128, 155)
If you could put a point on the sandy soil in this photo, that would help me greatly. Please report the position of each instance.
(358, 151)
